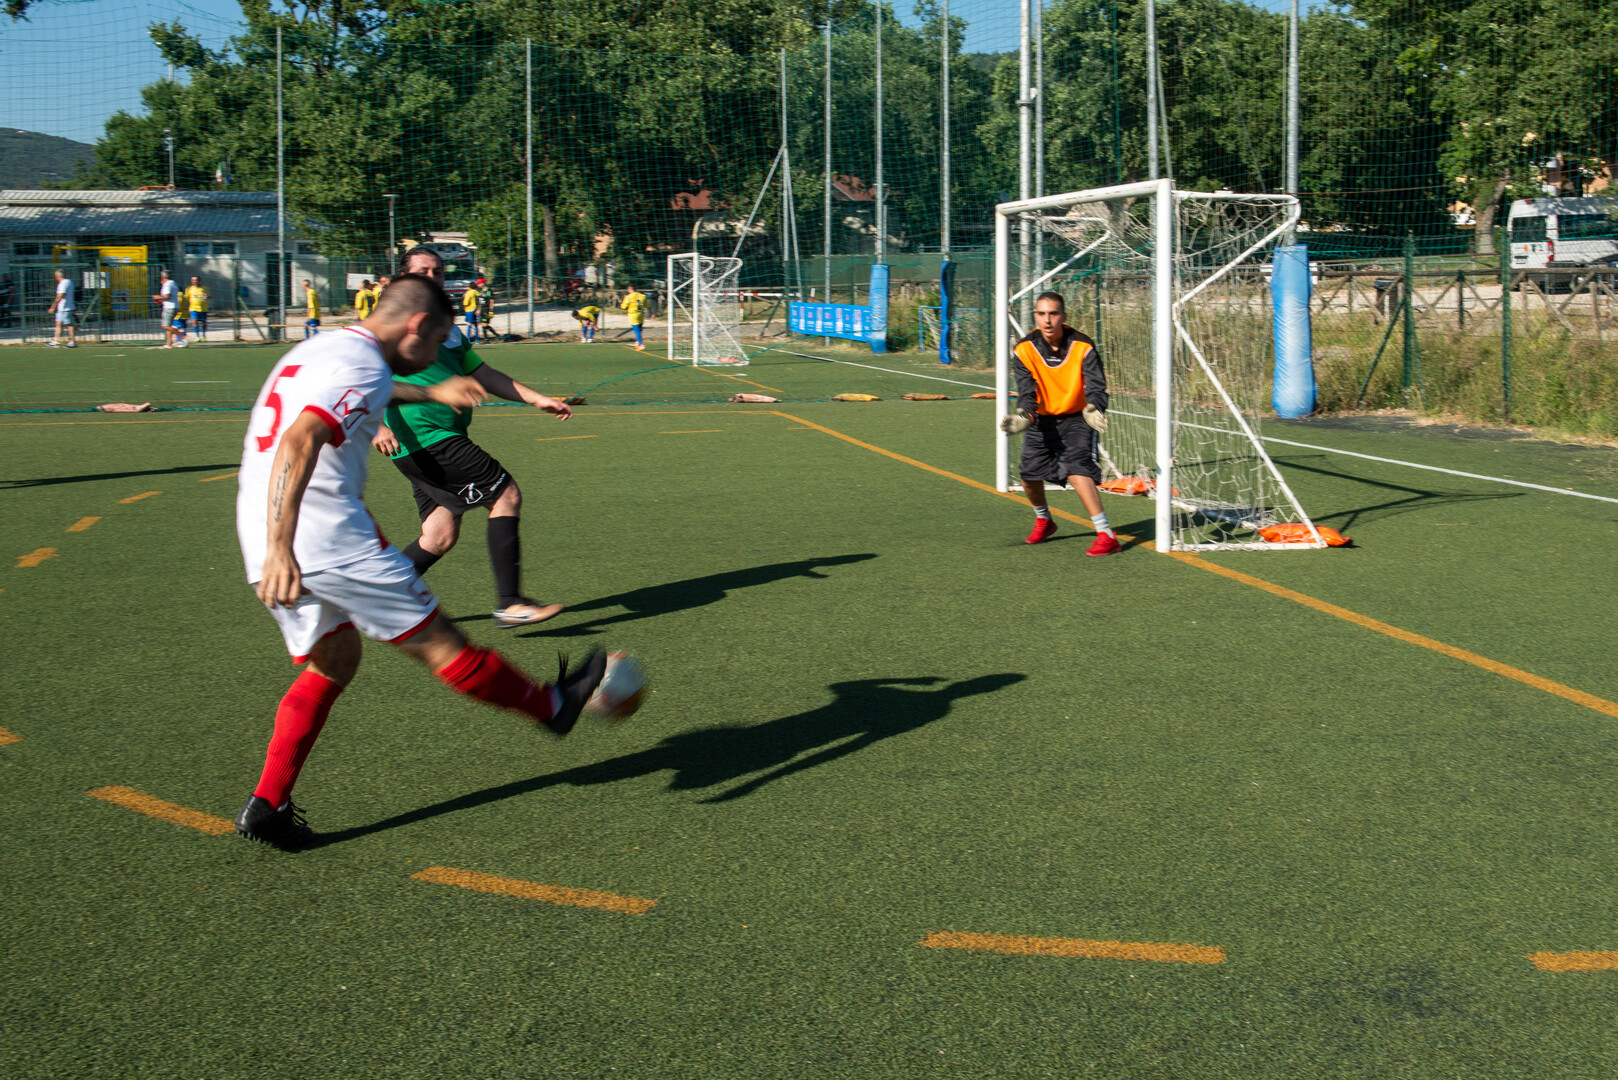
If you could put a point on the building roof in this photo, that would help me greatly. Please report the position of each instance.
(64, 214)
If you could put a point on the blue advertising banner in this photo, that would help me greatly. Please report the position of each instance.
(857, 322)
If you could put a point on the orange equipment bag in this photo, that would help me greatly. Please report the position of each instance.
(1296, 532)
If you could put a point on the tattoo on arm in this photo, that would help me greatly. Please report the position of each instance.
(278, 491)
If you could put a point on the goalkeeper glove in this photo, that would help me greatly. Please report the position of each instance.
(1011, 425)
(1096, 419)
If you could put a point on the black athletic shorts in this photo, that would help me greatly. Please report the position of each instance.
(456, 474)
(1057, 447)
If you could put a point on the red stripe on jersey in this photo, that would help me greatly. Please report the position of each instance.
(337, 435)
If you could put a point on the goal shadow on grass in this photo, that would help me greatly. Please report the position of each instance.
(863, 712)
(1415, 498)
(689, 593)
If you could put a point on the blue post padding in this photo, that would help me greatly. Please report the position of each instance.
(1294, 393)
(946, 285)
(877, 332)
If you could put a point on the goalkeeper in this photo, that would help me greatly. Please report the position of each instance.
(1062, 405)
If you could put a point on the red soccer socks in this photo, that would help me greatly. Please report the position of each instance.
(298, 722)
(485, 675)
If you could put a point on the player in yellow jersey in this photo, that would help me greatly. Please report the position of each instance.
(311, 301)
(364, 300)
(470, 301)
(634, 305)
(196, 299)
(1062, 405)
(589, 318)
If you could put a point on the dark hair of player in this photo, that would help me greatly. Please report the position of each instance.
(418, 253)
(410, 293)
(1052, 296)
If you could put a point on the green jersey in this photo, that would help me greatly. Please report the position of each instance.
(420, 425)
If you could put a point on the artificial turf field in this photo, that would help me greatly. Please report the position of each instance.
(878, 717)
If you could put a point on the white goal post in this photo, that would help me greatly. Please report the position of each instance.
(1172, 286)
(705, 310)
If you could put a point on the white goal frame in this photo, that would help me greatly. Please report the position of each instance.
(1167, 330)
(696, 333)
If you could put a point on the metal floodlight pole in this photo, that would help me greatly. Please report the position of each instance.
(881, 194)
(943, 130)
(1151, 90)
(1025, 121)
(280, 187)
(826, 124)
(393, 244)
(1039, 98)
(1292, 112)
(528, 157)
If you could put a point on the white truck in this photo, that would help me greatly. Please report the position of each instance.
(1563, 233)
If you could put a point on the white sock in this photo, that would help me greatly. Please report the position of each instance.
(1100, 522)
(556, 701)
(1043, 513)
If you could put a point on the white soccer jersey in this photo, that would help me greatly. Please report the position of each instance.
(343, 379)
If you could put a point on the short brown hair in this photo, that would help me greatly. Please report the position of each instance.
(1051, 296)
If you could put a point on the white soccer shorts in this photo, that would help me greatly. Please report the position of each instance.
(380, 595)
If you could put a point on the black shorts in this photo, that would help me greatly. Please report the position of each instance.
(1057, 447)
(456, 474)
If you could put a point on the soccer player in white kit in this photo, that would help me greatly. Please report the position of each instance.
(317, 559)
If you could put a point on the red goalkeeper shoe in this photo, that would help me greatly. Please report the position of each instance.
(1106, 544)
(1044, 529)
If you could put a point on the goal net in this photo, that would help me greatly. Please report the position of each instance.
(1172, 286)
(705, 310)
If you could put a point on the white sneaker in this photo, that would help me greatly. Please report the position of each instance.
(54, 344)
(72, 345)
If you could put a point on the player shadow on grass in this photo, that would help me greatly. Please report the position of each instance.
(864, 712)
(45, 481)
(689, 593)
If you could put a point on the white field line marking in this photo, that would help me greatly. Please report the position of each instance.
(1266, 438)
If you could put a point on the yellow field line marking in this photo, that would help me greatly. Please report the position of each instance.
(34, 558)
(7, 738)
(82, 524)
(211, 479)
(173, 813)
(565, 438)
(1574, 961)
(533, 890)
(138, 498)
(1578, 697)
(703, 431)
(1077, 948)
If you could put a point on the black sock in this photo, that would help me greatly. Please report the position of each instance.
(422, 558)
(505, 556)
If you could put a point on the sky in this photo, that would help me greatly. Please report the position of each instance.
(76, 62)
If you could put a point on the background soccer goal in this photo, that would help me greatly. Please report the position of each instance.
(1172, 286)
(705, 309)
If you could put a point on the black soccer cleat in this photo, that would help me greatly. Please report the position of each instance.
(264, 824)
(576, 690)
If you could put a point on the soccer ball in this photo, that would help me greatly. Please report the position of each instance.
(622, 689)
